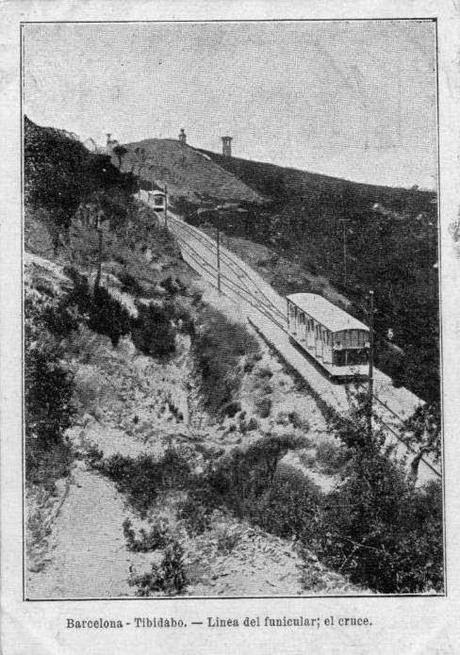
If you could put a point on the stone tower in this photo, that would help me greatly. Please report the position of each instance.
(182, 137)
(227, 146)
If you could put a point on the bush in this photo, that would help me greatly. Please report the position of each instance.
(231, 409)
(49, 408)
(153, 332)
(104, 314)
(289, 507)
(108, 316)
(264, 373)
(94, 456)
(217, 348)
(142, 478)
(196, 512)
(227, 540)
(157, 537)
(333, 456)
(297, 422)
(252, 424)
(130, 284)
(169, 577)
(264, 407)
(244, 475)
(173, 287)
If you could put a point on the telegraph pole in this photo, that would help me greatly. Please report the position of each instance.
(218, 260)
(166, 206)
(100, 213)
(371, 363)
(344, 226)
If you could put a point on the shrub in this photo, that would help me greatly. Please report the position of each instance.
(169, 577)
(244, 475)
(49, 408)
(62, 319)
(289, 507)
(297, 422)
(153, 332)
(217, 348)
(142, 478)
(264, 407)
(252, 424)
(196, 512)
(264, 373)
(94, 456)
(157, 537)
(173, 287)
(130, 284)
(231, 409)
(332, 456)
(108, 316)
(104, 314)
(227, 540)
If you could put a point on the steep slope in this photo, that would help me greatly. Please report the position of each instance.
(186, 171)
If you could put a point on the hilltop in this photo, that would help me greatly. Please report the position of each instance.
(187, 172)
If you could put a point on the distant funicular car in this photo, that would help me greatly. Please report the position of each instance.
(159, 200)
(336, 341)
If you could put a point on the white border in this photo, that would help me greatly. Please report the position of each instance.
(407, 625)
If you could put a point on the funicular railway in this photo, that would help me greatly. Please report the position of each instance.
(334, 339)
(349, 337)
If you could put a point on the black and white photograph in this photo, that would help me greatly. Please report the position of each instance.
(231, 311)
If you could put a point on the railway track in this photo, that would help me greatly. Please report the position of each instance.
(249, 289)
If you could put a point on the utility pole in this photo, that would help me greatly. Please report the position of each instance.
(218, 260)
(344, 226)
(99, 266)
(166, 206)
(371, 363)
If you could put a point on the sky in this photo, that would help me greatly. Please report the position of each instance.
(353, 99)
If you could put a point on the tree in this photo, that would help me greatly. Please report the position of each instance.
(423, 432)
(376, 527)
(120, 152)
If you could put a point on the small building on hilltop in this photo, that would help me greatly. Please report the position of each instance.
(227, 145)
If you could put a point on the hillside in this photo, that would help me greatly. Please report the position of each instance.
(186, 171)
(391, 242)
(216, 471)
(278, 182)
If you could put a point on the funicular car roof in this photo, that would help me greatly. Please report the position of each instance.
(330, 316)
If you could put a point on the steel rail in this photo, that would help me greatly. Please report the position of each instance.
(230, 260)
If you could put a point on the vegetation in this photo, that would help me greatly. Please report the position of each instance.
(169, 577)
(153, 332)
(218, 347)
(375, 527)
(60, 174)
(424, 434)
(157, 537)
(141, 479)
(49, 390)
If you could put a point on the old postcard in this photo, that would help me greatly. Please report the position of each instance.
(229, 326)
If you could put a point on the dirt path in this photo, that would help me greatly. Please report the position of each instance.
(89, 557)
